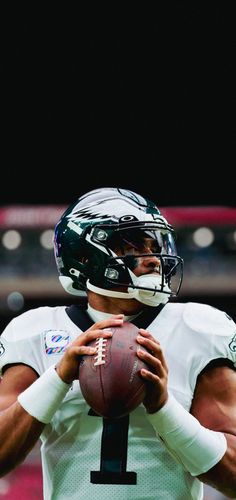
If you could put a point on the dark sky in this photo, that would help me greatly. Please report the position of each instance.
(141, 97)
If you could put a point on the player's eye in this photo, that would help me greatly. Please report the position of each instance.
(145, 246)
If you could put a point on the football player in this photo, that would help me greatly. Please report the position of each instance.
(116, 256)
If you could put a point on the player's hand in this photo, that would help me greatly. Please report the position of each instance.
(68, 366)
(156, 378)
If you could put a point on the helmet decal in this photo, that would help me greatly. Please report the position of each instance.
(88, 214)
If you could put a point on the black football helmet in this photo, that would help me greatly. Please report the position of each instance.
(92, 228)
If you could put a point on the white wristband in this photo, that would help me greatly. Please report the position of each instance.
(195, 446)
(43, 397)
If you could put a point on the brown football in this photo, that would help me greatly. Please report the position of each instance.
(110, 380)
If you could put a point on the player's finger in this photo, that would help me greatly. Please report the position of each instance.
(84, 350)
(90, 335)
(154, 352)
(153, 345)
(115, 320)
(155, 364)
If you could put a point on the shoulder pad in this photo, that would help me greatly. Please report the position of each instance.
(27, 324)
(204, 318)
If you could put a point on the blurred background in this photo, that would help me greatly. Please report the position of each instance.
(140, 97)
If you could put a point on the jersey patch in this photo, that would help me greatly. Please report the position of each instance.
(56, 341)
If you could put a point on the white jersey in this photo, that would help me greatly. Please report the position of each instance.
(191, 336)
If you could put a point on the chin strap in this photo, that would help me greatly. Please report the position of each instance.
(147, 292)
(110, 293)
(147, 289)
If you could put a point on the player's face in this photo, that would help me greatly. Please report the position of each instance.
(140, 253)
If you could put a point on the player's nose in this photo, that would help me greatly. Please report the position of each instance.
(151, 261)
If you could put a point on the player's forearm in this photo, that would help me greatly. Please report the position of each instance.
(223, 475)
(19, 432)
(200, 450)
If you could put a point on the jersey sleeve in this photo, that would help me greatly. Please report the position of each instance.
(17, 346)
